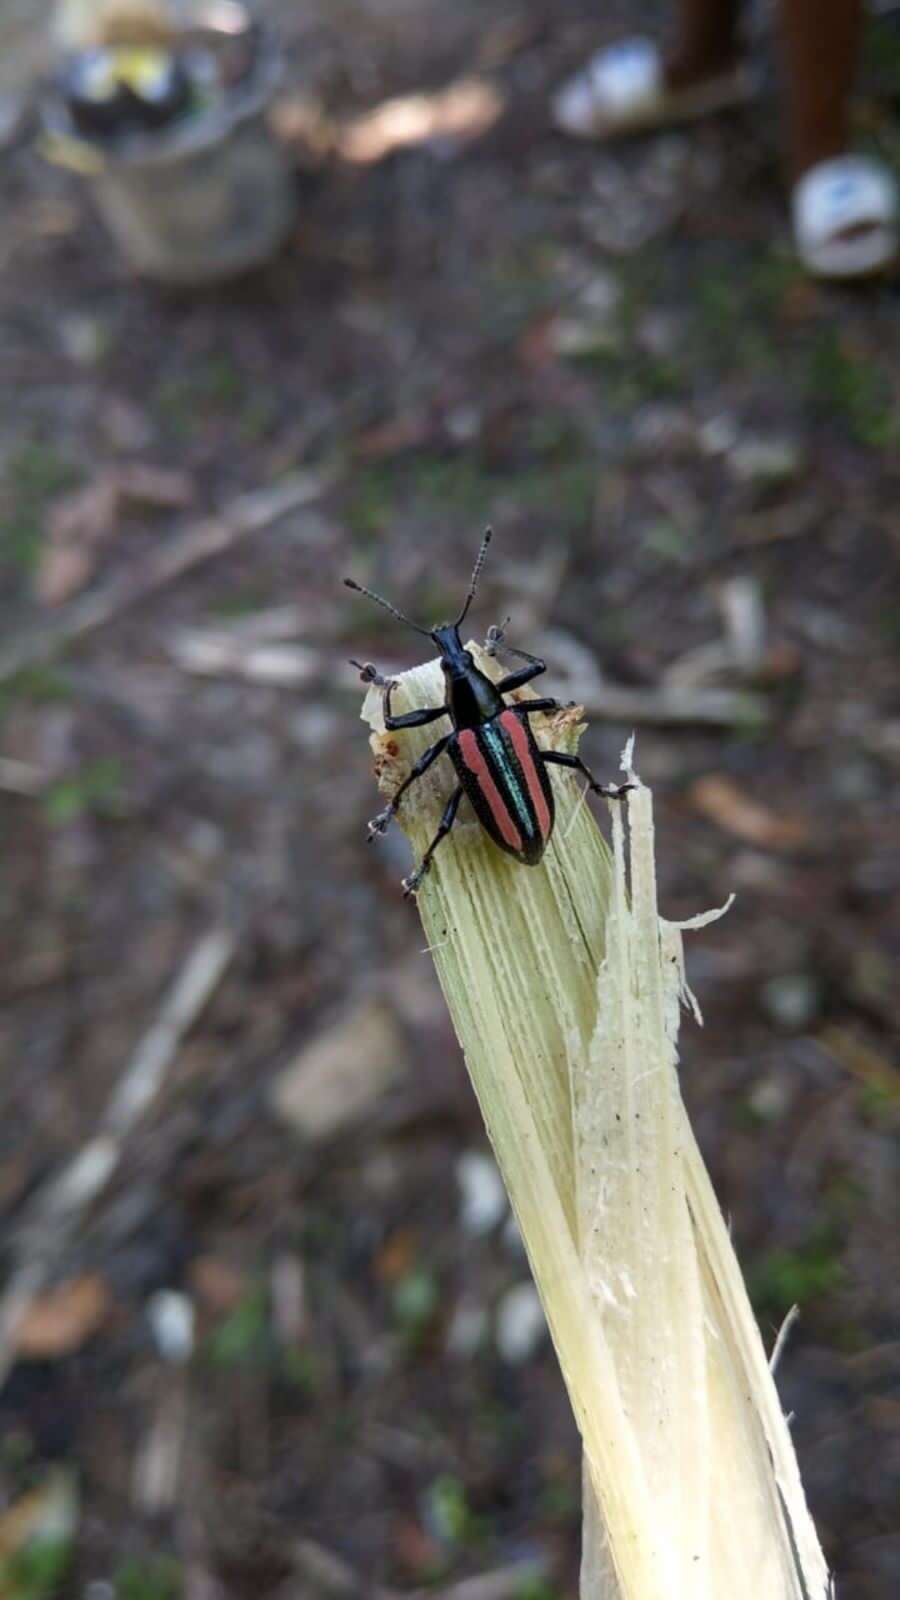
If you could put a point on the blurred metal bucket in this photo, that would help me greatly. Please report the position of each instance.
(202, 200)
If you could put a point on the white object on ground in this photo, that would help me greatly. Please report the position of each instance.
(623, 90)
(482, 1195)
(845, 217)
(521, 1324)
(172, 1320)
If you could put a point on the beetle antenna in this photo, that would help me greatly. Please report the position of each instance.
(476, 574)
(361, 589)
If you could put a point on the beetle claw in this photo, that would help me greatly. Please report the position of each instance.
(379, 825)
(369, 673)
(613, 791)
(411, 884)
(494, 637)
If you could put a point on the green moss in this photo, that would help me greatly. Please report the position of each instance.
(448, 1513)
(783, 1278)
(853, 391)
(536, 1588)
(559, 1502)
(33, 686)
(733, 316)
(214, 386)
(244, 1337)
(881, 53)
(302, 1369)
(414, 1300)
(151, 1577)
(672, 543)
(37, 1570)
(879, 1104)
(96, 788)
(33, 476)
(241, 603)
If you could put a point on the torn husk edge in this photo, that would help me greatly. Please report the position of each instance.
(564, 991)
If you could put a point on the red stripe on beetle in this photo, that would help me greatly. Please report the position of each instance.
(513, 726)
(473, 757)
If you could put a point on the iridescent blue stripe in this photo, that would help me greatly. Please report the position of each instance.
(495, 744)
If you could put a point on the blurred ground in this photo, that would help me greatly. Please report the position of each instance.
(612, 358)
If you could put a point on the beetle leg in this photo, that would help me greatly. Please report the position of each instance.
(527, 707)
(380, 824)
(515, 680)
(369, 673)
(612, 791)
(409, 719)
(411, 884)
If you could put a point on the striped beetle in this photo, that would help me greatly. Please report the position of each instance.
(497, 759)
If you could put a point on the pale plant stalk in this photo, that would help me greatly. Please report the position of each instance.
(564, 989)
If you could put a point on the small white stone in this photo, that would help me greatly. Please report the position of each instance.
(467, 1330)
(85, 339)
(792, 1001)
(482, 1195)
(765, 462)
(717, 436)
(172, 1320)
(770, 1097)
(520, 1323)
(464, 424)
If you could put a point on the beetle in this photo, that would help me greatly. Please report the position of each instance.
(496, 756)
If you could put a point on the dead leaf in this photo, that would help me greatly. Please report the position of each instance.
(503, 39)
(860, 1059)
(80, 523)
(726, 804)
(396, 1256)
(463, 111)
(301, 121)
(217, 1283)
(48, 1513)
(64, 1318)
(341, 1075)
(87, 514)
(163, 488)
(393, 437)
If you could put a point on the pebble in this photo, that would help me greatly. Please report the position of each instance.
(340, 1076)
(717, 436)
(765, 462)
(467, 1330)
(770, 1097)
(593, 323)
(85, 339)
(520, 1323)
(171, 1317)
(663, 429)
(483, 1201)
(792, 1001)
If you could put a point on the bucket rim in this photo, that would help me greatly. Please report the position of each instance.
(167, 146)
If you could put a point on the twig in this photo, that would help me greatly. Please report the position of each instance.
(578, 678)
(56, 1210)
(712, 707)
(198, 543)
(504, 1584)
(20, 777)
(212, 655)
(333, 1576)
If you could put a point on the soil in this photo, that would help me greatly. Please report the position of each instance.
(614, 359)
